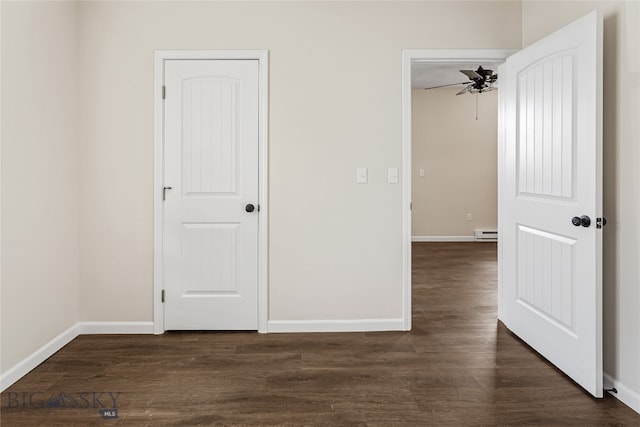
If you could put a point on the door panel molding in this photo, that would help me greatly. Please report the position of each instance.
(262, 56)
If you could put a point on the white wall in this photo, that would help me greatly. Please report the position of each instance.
(459, 157)
(39, 176)
(621, 174)
(335, 87)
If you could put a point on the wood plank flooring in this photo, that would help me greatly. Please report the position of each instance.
(457, 367)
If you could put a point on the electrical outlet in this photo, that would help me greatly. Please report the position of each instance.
(469, 217)
(361, 176)
(393, 176)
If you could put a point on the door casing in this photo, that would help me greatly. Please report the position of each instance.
(409, 56)
(262, 56)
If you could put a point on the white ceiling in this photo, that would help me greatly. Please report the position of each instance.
(428, 74)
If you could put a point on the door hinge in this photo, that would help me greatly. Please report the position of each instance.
(601, 222)
(162, 295)
(164, 92)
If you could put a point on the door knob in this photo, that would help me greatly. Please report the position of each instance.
(583, 221)
(249, 208)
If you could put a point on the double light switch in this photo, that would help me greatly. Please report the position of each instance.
(362, 176)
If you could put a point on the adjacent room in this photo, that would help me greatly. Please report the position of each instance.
(253, 213)
(454, 156)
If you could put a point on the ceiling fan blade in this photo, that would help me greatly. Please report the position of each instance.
(471, 74)
(465, 89)
(451, 84)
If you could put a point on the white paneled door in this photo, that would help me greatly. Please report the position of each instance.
(551, 199)
(210, 242)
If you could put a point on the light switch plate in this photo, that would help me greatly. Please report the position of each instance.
(361, 177)
(393, 175)
(421, 172)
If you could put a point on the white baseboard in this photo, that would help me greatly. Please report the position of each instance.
(624, 394)
(356, 325)
(443, 239)
(95, 328)
(37, 357)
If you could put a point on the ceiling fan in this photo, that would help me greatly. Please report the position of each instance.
(481, 81)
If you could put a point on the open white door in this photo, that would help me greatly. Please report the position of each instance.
(550, 262)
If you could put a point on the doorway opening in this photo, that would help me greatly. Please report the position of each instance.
(430, 59)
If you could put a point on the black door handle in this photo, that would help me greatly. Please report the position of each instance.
(583, 221)
(249, 208)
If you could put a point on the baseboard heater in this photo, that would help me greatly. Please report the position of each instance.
(486, 235)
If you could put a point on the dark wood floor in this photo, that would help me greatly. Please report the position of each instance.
(457, 367)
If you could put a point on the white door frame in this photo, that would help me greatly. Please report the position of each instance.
(428, 55)
(262, 56)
